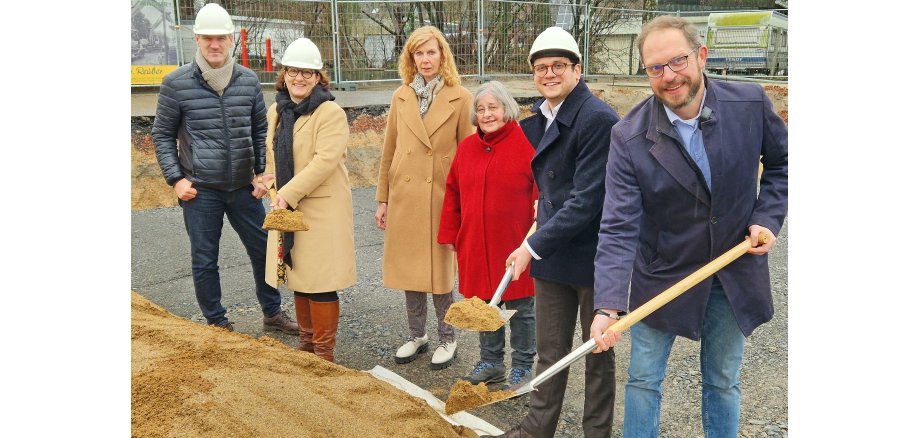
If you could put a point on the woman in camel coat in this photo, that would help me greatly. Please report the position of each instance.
(429, 115)
(318, 262)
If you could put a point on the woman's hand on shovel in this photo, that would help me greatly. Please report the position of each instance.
(604, 339)
(279, 203)
(762, 240)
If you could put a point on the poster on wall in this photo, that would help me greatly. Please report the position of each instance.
(153, 41)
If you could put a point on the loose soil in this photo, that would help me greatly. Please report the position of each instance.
(285, 220)
(464, 395)
(193, 380)
(474, 314)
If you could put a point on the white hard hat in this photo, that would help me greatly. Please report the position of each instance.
(213, 20)
(302, 53)
(554, 41)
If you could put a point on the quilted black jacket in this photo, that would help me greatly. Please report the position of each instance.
(220, 139)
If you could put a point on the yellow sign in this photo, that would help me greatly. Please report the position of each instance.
(150, 74)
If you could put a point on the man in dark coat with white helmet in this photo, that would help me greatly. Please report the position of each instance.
(570, 132)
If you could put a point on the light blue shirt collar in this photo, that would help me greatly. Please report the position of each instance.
(692, 122)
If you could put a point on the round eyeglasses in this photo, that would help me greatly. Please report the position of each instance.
(676, 64)
(558, 68)
(293, 72)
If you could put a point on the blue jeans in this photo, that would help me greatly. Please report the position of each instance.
(721, 350)
(523, 338)
(204, 220)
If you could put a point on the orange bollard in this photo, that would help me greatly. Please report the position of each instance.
(244, 56)
(268, 54)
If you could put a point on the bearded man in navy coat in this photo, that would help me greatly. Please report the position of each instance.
(682, 188)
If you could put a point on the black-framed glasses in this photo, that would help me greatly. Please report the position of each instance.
(293, 72)
(677, 64)
(558, 68)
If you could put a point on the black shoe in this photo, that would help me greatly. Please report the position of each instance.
(225, 324)
(515, 432)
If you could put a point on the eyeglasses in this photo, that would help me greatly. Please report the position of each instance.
(558, 68)
(676, 65)
(293, 72)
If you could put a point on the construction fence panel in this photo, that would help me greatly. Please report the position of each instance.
(361, 41)
(274, 23)
(373, 34)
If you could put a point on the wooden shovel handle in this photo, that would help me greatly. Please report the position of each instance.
(683, 285)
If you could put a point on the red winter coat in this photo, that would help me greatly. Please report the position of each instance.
(488, 209)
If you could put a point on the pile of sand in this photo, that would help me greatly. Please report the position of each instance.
(191, 380)
(474, 314)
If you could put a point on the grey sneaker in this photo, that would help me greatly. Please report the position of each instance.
(518, 376)
(486, 372)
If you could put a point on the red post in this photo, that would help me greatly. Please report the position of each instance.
(268, 54)
(245, 51)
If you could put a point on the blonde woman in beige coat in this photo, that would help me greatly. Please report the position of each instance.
(307, 134)
(429, 115)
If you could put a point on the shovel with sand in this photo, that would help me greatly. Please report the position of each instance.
(463, 395)
(474, 314)
(284, 220)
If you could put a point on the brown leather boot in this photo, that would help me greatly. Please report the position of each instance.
(325, 316)
(305, 324)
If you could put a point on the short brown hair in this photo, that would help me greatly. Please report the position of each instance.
(281, 86)
(669, 22)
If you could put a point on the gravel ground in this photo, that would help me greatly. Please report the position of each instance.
(373, 325)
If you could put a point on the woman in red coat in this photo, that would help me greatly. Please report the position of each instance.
(488, 209)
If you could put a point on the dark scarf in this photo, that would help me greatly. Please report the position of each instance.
(288, 113)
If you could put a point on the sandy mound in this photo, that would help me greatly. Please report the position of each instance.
(191, 380)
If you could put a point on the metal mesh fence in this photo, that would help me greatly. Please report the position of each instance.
(362, 40)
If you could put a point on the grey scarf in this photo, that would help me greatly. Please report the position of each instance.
(425, 92)
(217, 78)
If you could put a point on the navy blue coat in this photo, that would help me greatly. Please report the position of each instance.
(220, 139)
(568, 167)
(661, 223)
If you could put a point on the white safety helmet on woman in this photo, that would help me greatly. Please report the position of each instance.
(302, 53)
(213, 20)
(555, 41)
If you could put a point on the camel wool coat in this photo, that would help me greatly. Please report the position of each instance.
(417, 155)
(324, 255)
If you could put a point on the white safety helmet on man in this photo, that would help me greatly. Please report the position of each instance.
(555, 41)
(213, 20)
(302, 53)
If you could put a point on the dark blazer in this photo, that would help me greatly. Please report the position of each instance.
(568, 167)
(661, 223)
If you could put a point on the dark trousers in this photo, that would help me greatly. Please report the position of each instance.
(557, 307)
(204, 220)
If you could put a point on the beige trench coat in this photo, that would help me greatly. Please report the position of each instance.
(323, 256)
(417, 154)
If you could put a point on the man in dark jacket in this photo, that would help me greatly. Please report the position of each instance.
(682, 189)
(210, 141)
(570, 130)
